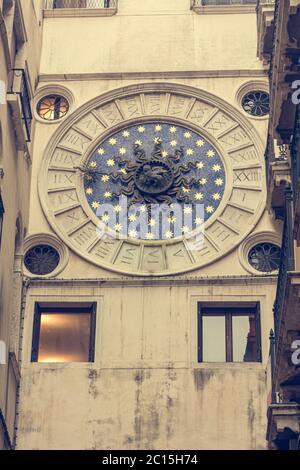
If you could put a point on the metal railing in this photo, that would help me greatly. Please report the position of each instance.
(54, 4)
(202, 3)
(287, 262)
(19, 86)
(272, 363)
(269, 156)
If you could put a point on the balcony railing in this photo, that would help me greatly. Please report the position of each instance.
(54, 4)
(287, 262)
(19, 87)
(203, 3)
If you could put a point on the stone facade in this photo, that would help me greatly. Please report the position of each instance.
(133, 63)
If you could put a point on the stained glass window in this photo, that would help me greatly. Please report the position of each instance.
(256, 103)
(41, 259)
(52, 107)
(265, 257)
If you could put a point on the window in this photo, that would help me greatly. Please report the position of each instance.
(41, 259)
(64, 333)
(80, 3)
(256, 103)
(265, 257)
(1, 217)
(52, 107)
(229, 334)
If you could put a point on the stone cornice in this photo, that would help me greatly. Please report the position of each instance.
(155, 280)
(61, 77)
(79, 12)
(224, 9)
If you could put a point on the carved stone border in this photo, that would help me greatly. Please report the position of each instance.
(192, 95)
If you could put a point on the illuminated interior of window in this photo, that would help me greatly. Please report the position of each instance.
(52, 107)
(64, 337)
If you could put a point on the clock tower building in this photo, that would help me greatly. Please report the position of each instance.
(150, 257)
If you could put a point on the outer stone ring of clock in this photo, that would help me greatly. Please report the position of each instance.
(154, 177)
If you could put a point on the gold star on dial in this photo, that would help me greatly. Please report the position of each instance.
(173, 143)
(168, 234)
(110, 162)
(149, 236)
(187, 210)
(216, 196)
(126, 134)
(198, 196)
(200, 143)
(101, 151)
(132, 233)
(216, 168)
(118, 227)
(95, 205)
(105, 178)
(187, 135)
(122, 150)
(152, 222)
(164, 154)
(158, 128)
(200, 165)
(89, 190)
(203, 181)
(132, 218)
(117, 208)
(173, 130)
(190, 152)
(138, 142)
(198, 221)
(219, 182)
(93, 164)
(141, 129)
(185, 190)
(209, 209)
(210, 153)
(107, 194)
(105, 218)
(112, 141)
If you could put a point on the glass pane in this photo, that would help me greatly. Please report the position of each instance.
(244, 338)
(64, 337)
(213, 334)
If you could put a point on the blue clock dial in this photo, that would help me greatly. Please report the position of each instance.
(153, 163)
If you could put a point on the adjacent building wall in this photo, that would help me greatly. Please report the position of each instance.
(20, 47)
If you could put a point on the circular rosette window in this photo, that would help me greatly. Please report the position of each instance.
(155, 180)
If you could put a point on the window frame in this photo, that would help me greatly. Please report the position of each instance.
(228, 312)
(39, 309)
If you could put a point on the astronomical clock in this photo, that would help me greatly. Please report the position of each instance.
(130, 180)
